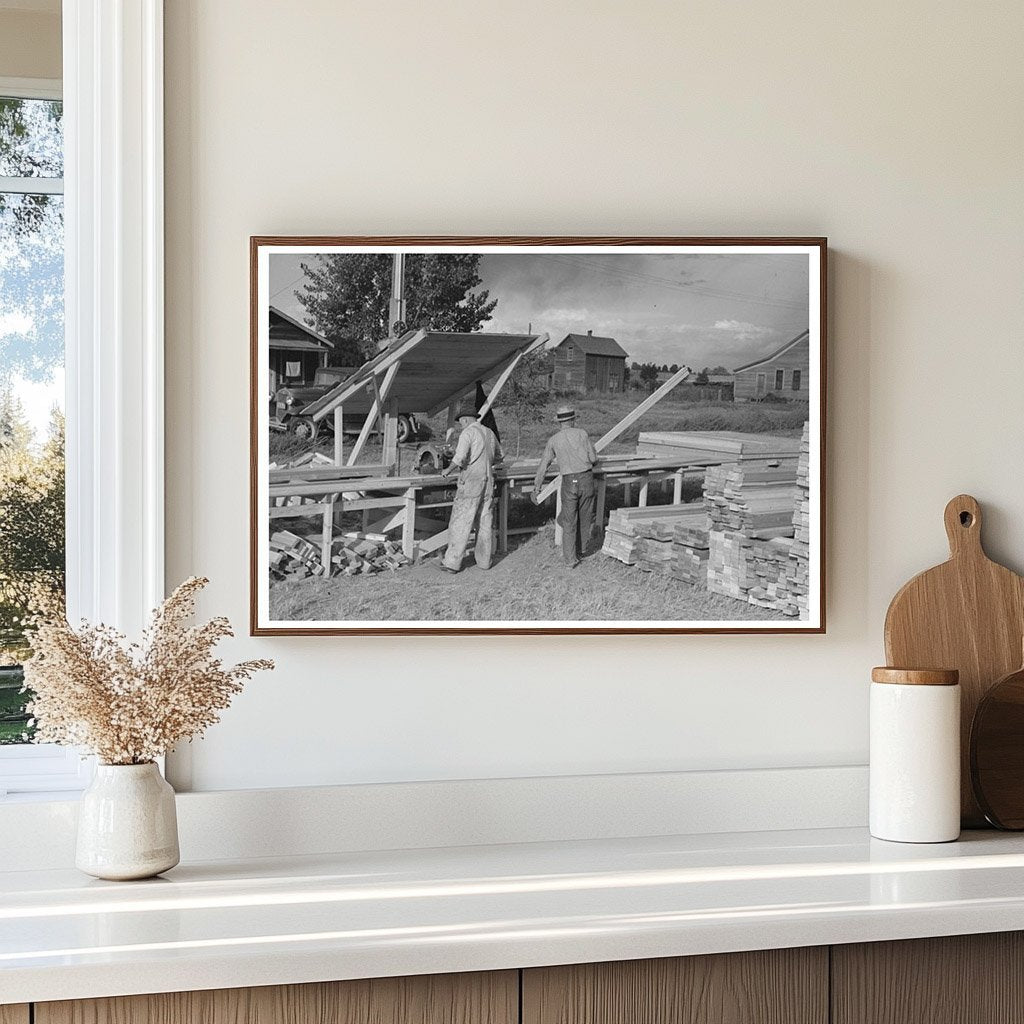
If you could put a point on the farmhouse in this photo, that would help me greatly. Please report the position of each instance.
(782, 373)
(584, 362)
(296, 351)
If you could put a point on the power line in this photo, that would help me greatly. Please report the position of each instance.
(652, 279)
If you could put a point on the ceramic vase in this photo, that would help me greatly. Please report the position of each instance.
(127, 825)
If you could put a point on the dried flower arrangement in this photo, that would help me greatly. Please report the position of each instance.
(130, 703)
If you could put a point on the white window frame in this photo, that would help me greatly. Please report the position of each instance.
(114, 347)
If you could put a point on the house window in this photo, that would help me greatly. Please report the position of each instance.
(31, 392)
(570, 354)
(780, 379)
(796, 380)
(613, 383)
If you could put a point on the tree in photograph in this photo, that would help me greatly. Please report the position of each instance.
(31, 523)
(702, 376)
(31, 243)
(526, 392)
(649, 374)
(346, 297)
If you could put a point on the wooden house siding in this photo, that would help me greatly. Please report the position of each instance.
(576, 370)
(790, 365)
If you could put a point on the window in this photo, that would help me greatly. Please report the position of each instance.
(570, 354)
(31, 383)
(796, 380)
(780, 379)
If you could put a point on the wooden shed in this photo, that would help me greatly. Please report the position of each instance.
(586, 362)
(783, 373)
(296, 351)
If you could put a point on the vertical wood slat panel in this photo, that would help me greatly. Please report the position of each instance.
(960, 979)
(14, 1014)
(478, 998)
(779, 986)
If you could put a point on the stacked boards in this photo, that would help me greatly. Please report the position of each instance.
(659, 538)
(716, 445)
(750, 511)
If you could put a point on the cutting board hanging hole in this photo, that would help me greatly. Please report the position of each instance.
(963, 526)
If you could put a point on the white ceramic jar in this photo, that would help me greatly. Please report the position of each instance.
(127, 823)
(915, 755)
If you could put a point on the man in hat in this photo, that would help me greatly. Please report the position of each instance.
(574, 452)
(476, 455)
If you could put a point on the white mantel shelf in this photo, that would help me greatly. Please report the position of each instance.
(228, 924)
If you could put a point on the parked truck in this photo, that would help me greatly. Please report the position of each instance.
(289, 405)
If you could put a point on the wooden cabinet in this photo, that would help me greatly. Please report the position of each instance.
(962, 979)
(491, 998)
(968, 979)
(778, 986)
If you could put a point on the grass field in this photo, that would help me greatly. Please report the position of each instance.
(531, 583)
(597, 415)
(12, 720)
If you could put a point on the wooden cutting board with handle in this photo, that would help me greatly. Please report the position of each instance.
(967, 614)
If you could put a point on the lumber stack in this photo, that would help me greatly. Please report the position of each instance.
(716, 445)
(690, 546)
(671, 540)
(293, 557)
(367, 553)
(774, 575)
(628, 527)
(801, 551)
(750, 512)
(750, 501)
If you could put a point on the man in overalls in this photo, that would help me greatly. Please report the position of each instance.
(476, 455)
(574, 452)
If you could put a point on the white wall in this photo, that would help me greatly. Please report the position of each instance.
(30, 41)
(895, 129)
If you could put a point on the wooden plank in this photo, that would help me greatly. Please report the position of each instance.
(777, 986)
(504, 498)
(381, 362)
(627, 421)
(960, 979)
(14, 1014)
(280, 476)
(478, 998)
(389, 441)
(339, 436)
(380, 394)
(409, 526)
(327, 535)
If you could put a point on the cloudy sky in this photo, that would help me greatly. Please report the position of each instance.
(703, 310)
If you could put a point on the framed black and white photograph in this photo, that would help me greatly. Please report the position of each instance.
(537, 435)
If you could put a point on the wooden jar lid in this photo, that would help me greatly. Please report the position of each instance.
(916, 676)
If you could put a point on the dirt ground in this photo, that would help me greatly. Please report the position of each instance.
(531, 582)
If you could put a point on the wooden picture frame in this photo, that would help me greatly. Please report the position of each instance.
(763, 297)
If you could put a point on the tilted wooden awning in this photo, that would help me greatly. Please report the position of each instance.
(435, 368)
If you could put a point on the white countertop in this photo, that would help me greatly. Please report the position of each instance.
(227, 924)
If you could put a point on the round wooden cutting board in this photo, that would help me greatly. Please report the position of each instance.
(968, 614)
(997, 752)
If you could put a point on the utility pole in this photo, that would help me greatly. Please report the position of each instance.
(396, 308)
